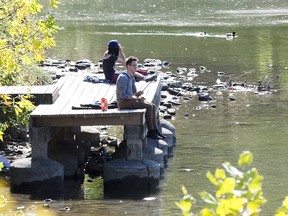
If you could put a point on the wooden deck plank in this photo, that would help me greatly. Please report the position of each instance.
(41, 110)
(68, 89)
(70, 94)
(75, 96)
(46, 94)
(15, 90)
(48, 89)
(105, 92)
(87, 96)
(110, 91)
(64, 84)
(3, 89)
(98, 92)
(141, 85)
(153, 89)
(7, 89)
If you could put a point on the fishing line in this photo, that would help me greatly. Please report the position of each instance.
(147, 85)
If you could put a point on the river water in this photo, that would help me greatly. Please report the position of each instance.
(170, 30)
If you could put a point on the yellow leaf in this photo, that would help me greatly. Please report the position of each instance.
(184, 191)
(220, 174)
(256, 183)
(5, 97)
(230, 206)
(253, 207)
(7, 103)
(246, 158)
(285, 202)
(17, 110)
(223, 207)
(212, 179)
(236, 203)
(226, 187)
(54, 3)
(1, 166)
(185, 205)
(1, 135)
(206, 212)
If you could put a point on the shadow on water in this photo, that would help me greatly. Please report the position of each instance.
(128, 188)
(122, 193)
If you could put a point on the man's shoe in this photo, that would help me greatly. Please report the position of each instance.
(160, 134)
(152, 135)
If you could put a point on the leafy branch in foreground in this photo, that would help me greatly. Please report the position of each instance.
(239, 192)
(25, 34)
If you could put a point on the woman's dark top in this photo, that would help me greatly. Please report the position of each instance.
(108, 67)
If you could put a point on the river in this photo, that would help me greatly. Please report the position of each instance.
(171, 30)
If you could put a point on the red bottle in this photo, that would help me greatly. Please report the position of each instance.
(104, 104)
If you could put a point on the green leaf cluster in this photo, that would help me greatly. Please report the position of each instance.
(239, 191)
(14, 112)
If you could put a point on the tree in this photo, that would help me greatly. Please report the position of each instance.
(25, 34)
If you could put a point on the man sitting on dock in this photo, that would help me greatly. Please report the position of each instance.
(129, 98)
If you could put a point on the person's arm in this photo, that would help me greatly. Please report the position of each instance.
(121, 57)
(139, 76)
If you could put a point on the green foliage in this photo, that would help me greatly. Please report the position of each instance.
(15, 111)
(239, 192)
(186, 203)
(25, 34)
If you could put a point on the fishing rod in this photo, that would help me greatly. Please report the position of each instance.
(145, 88)
(147, 85)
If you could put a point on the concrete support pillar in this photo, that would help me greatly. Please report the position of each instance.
(40, 136)
(130, 175)
(38, 177)
(161, 144)
(134, 136)
(169, 140)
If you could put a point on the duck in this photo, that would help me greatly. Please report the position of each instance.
(203, 33)
(230, 35)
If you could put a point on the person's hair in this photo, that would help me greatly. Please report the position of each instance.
(113, 51)
(130, 59)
